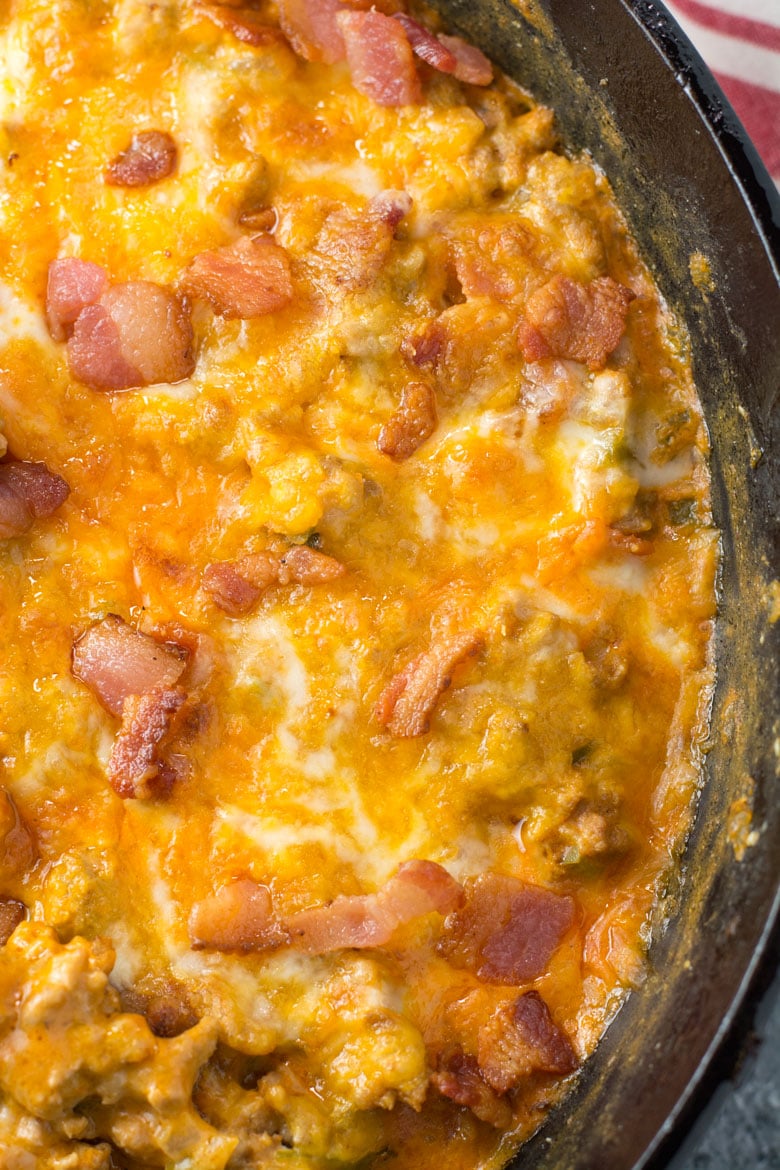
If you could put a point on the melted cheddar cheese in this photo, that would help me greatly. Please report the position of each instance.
(501, 668)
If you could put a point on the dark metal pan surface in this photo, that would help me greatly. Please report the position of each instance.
(628, 86)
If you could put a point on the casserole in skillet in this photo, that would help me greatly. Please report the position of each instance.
(357, 593)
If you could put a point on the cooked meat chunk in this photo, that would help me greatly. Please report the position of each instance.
(507, 930)
(116, 661)
(568, 319)
(150, 157)
(412, 423)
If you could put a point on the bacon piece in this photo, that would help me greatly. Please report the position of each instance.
(231, 589)
(507, 931)
(427, 46)
(390, 207)
(496, 259)
(522, 1038)
(410, 425)
(458, 1078)
(150, 157)
(137, 334)
(631, 542)
(380, 58)
(353, 246)
(28, 491)
(312, 29)
(248, 278)
(116, 661)
(306, 566)
(136, 769)
(568, 319)
(18, 853)
(370, 920)
(239, 917)
(72, 285)
(407, 702)
(245, 24)
(472, 66)
(425, 348)
(11, 914)
(237, 586)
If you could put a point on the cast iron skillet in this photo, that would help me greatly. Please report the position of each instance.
(628, 86)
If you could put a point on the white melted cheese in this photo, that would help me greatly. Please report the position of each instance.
(264, 652)
(21, 319)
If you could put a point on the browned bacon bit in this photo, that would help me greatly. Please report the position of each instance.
(522, 1038)
(72, 285)
(239, 917)
(458, 1078)
(427, 46)
(507, 931)
(630, 542)
(391, 207)
(150, 157)
(472, 66)
(245, 24)
(353, 246)
(17, 849)
(568, 319)
(370, 920)
(138, 333)
(230, 589)
(380, 58)
(425, 348)
(163, 1000)
(11, 914)
(407, 702)
(306, 566)
(237, 586)
(410, 425)
(28, 491)
(312, 30)
(116, 661)
(248, 278)
(137, 769)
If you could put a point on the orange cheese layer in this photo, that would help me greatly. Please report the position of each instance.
(559, 514)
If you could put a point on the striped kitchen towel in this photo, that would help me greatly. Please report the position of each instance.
(740, 41)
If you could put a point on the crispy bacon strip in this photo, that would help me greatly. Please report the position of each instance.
(137, 334)
(136, 768)
(237, 586)
(427, 46)
(239, 917)
(370, 920)
(507, 931)
(472, 66)
(458, 1078)
(11, 914)
(568, 319)
(248, 278)
(116, 661)
(411, 424)
(312, 29)
(522, 1038)
(28, 491)
(72, 285)
(407, 702)
(306, 566)
(380, 58)
(18, 852)
(150, 157)
(353, 246)
(245, 24)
